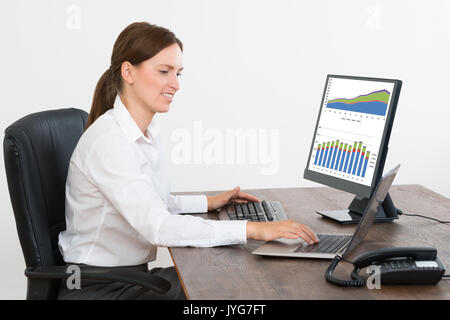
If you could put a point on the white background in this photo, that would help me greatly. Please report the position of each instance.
(248, 64)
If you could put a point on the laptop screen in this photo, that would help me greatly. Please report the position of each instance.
(368, 217)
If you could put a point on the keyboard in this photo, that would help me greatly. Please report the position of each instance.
(329, 243)
(264, 211)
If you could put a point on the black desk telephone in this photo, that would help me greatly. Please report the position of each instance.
(407, 265)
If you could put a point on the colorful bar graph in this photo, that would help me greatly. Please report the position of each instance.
(317, 155)
(339, 153)
(366, 161)
(352, 158)
(343, 157)
(358, 153)
(349, 151)
(334, 154)
(344, 154)
(361, 162)
(330, 154)
(326, 155)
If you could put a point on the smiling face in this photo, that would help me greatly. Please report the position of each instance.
(154, 82)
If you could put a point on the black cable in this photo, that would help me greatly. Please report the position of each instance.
(358, 282)
(419, 215)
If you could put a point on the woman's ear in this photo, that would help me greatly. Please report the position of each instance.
(126, 72)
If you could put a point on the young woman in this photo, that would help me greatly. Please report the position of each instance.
(118, 202)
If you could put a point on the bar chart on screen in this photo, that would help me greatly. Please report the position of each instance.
(348, 135)
(342, 157)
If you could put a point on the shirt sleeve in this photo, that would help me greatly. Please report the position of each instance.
(111, 166)
(187, 204)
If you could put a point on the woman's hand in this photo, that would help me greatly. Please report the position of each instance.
(282, 229)
(232, 196)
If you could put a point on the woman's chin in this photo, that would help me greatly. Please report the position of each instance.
(163, 109)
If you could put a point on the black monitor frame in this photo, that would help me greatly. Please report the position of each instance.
(362, 192)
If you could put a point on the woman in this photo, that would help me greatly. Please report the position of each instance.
(118, 202)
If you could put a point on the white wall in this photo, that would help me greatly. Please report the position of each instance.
(258, 65)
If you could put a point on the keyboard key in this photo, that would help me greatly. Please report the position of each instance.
(251, 208)
(256, 211)
(268, 210)
(232, 212)
(258, 208)
(239, 212)
(335, 248)
(245, 211)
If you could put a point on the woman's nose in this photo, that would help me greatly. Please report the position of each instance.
(174, 83)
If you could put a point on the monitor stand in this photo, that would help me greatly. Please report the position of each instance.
(386, 212)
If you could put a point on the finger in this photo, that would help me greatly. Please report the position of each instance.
(289, 231)
(243, 195)
(238, 201)
(310, 233)
(296, 235)
(304, 230)
(291, 235)
(296, 228)
(234, 193)
(305, 237)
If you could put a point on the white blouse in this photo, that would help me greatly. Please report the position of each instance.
(118, 201)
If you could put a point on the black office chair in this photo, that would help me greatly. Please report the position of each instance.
(37, 151)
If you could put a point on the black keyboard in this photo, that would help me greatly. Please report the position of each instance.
(329, 243)
(257, 211)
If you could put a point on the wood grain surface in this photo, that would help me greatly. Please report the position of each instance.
(232, 272)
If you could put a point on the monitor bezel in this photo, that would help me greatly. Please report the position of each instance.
(349, 186)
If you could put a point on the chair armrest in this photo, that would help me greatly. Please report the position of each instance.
(146, 280)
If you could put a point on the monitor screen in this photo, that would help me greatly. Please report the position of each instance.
(351, 130)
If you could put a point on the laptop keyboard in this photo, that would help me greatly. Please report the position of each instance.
(273, 211)
(329, 243)
(256, 211)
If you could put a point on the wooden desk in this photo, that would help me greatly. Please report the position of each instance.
(232, 272)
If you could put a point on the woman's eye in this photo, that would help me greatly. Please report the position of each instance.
(166, 72)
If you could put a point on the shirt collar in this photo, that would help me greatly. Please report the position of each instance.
(130, 127)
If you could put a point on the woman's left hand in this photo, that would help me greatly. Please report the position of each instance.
(232, 196)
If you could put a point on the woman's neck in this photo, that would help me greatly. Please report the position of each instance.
(140, 113)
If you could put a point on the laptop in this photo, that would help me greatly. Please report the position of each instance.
(329, 246)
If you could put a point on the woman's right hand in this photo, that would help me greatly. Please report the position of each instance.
(281, 229)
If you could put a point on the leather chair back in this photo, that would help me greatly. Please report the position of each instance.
(37, 151)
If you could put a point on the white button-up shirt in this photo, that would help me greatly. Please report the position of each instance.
(118, 202)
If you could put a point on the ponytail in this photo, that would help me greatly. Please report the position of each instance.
(104, 96)
(136, 43)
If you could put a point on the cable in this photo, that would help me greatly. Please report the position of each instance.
(419, 215)
(358, 282)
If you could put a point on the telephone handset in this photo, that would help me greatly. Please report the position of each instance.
(405, 265)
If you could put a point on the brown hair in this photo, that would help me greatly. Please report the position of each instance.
(138, 42)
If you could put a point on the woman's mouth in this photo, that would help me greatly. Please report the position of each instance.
(168, 96)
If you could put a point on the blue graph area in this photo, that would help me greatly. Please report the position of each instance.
(371, 107)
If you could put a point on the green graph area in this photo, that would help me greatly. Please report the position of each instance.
(381, 95)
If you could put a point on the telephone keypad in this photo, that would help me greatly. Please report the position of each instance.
(399, 265)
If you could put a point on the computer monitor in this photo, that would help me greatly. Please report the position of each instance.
(350, 141)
